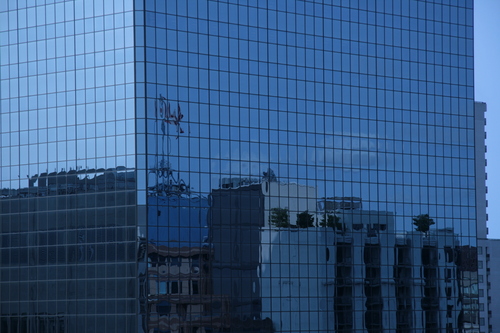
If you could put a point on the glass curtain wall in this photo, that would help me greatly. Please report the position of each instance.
(68, 180)
(309, 164)
(207, 166)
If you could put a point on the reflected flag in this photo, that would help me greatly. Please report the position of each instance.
(168, 117)
(175, 119)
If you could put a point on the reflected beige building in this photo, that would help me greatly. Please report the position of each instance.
(180, 297)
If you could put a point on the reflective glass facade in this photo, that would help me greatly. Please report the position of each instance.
(68, 178)
(237, 166)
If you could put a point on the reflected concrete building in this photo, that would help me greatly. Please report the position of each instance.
(370, 276)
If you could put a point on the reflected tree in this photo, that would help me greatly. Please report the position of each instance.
(279, 217)
(269, 175)
(305, 220)
(331, 221)
(423, 223)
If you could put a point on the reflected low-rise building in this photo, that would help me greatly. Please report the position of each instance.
(180, 297)
(69, 251)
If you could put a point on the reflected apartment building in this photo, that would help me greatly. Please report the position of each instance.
(237, 166)
(401, 280)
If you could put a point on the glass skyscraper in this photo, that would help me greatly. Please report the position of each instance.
(237, 166)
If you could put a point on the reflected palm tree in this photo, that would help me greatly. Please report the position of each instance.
(423, 223)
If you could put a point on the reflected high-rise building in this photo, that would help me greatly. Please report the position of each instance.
(236, 166)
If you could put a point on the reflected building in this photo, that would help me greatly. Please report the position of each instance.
(69, 251)
(179, 285)
(236, 219)
(222, 166)
(371, 277)
(180, 296)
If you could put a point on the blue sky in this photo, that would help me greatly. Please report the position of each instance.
(487, 81)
